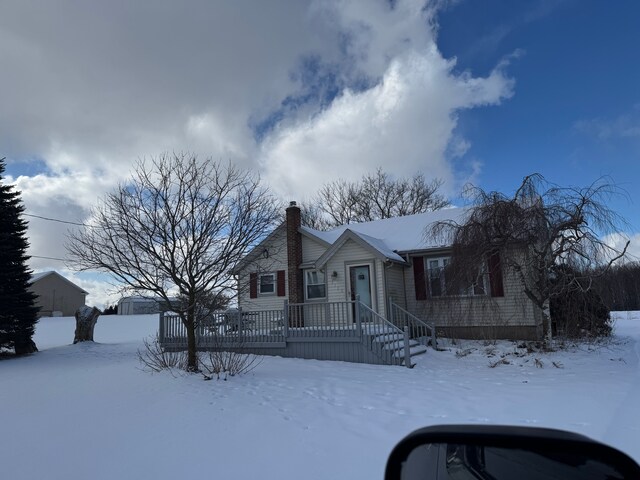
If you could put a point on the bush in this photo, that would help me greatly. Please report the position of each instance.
(155, 359)
(580, 313)
(218, 363)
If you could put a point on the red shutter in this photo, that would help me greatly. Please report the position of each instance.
(418, 278)
(495, 274)
(253, 285)
(281, 284)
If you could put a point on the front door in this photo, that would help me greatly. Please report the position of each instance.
(360, 278)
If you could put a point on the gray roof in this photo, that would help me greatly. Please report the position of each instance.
(40, 275)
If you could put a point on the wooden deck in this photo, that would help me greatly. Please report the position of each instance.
(349, 332)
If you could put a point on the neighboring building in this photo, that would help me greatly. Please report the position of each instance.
(388, 263)
(138, 305)
(56, 295)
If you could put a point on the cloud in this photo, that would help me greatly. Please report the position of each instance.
(617, 241)
(626, 126)
(302, 91)
(404, 124)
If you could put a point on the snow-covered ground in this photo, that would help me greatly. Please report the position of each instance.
(88, 411)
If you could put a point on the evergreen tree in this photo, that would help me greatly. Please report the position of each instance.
(18, 313)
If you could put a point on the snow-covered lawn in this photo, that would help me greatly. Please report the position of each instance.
(88, 411)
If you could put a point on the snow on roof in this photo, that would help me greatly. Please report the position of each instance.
(398, 234)
(380, 246)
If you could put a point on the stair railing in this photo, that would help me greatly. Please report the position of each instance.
(418, 329)
(370, 324)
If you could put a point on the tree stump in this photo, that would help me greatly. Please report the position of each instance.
(25, 347)
(86, 319)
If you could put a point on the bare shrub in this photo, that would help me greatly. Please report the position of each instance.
(156, 359)
(223, 364)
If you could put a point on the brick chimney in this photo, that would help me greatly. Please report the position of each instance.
(294, 253)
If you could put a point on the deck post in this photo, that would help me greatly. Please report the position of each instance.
(285, 319)
(407, 351)
(433, 336)
(161, 333)
(357, 314)
(390, 315)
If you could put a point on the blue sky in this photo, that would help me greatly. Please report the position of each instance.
(575, 114)
(309, 91)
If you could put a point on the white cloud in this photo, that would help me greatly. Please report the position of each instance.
(404, 124)
(626, 126)
(618, 241)
(90, 90)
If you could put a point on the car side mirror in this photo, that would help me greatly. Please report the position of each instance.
(499, 452)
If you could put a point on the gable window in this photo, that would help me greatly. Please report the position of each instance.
(315, 286)
(440, 280)
(267, 284)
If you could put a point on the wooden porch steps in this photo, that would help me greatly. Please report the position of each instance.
(393, 344)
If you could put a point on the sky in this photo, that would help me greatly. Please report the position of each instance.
(306, 92)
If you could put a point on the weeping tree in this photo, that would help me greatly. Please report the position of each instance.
(550, 237)
(175, 231)
(375, 196)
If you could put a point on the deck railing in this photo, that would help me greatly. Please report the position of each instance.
(349, 323)
(419, 330)
(327, 319)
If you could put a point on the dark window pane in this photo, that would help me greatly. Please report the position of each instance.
(316, 291)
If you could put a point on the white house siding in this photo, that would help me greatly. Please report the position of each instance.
(311, 250)
(496, 315)
(338, 286)
(277, 260)
(395, 284)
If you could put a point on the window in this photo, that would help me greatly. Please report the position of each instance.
(440, 279)
(435, 276)
(267, 284)
(315, 286)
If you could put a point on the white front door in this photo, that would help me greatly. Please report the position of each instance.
(360, 278)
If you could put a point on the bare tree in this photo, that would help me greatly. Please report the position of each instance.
(377, 195)
(620, 287)
(175, 231)
(541, 233)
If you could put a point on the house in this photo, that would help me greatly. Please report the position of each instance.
(389, 263)
(136, 305)
(56, 295)
(376, 292)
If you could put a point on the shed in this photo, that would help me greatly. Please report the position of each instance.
(56, 295)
